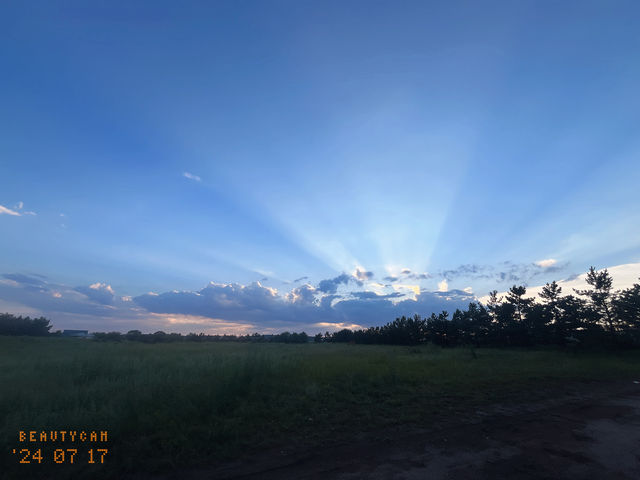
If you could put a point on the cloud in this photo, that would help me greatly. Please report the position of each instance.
(51, 298)
(25, 279)
(7, 211)
(411, 288)
(303, 295)
(191, 176)
(469, 270)
(526, 272)
(419, 276)
(219, 307)
(218, 300)
(331, 285)
(98, 292)
(505, 272)
(379, 311)
(363, 275)
(443, 286)
(375, 296)
(300, 279)
(407, 273)
(549, 262)
(303, 306)
(17, 212)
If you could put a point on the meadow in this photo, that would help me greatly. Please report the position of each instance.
(175, 405)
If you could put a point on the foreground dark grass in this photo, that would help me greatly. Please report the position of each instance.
(169, 406)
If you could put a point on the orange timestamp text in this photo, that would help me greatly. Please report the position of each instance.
(39, 452)
(60, 455)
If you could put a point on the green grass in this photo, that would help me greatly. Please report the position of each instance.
(171, 405)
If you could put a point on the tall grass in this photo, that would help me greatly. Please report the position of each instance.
(176, 404)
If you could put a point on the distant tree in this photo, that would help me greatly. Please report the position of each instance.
(545, 318)
(627, 309)
(550, 295)
(480, 323)
(494, 301)
(439, 329)
(108, 337)
(17, 325)
(344, 336)
(515, 296)
(134, 335)
(405, 331)
(601, 296)
(628, 305)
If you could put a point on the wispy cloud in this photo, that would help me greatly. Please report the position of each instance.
(407, 273)
(17, 212)
(191, 176)
(7, 211)
(505, 271)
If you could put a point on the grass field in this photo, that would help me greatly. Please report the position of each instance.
(181, 404)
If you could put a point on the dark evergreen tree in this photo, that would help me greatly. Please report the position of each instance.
(627, 308)
(601, 297)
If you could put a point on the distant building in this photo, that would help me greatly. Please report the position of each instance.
(76, 333)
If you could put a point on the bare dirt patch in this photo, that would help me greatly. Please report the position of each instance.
(586, 431)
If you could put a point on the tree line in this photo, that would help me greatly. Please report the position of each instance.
(19, 325)
(162, 337)
(594, 316)
(38, 327)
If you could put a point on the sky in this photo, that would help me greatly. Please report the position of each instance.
(310, 165)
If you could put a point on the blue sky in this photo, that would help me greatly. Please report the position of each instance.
(161, 146)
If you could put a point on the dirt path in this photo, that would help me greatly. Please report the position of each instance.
(593, 433)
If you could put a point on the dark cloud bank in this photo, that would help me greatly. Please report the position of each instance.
(305, 306)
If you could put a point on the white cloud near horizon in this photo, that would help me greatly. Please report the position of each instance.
(624, 276)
